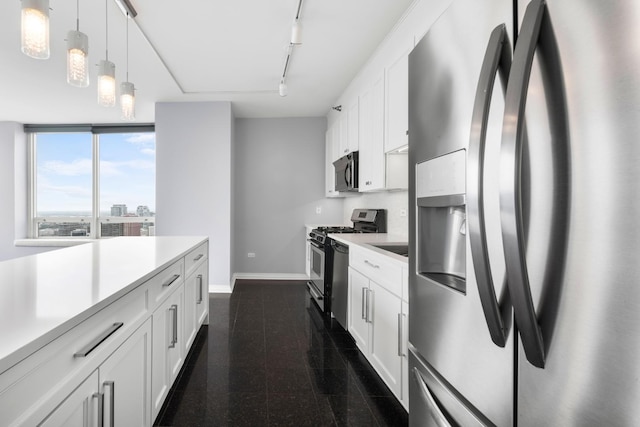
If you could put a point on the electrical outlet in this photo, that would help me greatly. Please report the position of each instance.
(403, 212)
(251, 255)
(318, 210)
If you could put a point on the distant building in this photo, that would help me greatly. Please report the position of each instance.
(118, 210)
(143, 211)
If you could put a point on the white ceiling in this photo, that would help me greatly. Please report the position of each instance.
(212, 50)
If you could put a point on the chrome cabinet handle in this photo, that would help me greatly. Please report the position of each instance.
(174, 333)
(401, 352)
(366, 261)
(171, 280)
(112, 394)
(432, 406)
(497, 59)
(84, 352)
(513, 136)
(364, 304)
(369, 306)
(198, 258)
(100, 398)
(199, 281)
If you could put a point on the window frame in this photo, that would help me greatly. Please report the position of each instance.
(95, 220)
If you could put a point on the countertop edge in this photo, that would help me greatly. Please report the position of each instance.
(21, 353)
(366, 241)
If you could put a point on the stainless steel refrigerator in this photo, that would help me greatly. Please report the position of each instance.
(524, 192)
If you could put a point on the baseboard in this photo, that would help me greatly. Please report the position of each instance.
(227, 289)
(220, 289)
(267, 276)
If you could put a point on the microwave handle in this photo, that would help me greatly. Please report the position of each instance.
(347, 174)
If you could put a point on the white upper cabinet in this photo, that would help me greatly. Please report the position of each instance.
(397, 103)
(372, 162)
(330, 176)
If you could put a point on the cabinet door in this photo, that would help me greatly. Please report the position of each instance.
(353, 134)
(397, 104)
(330, 176)
(192, 291)
(405, 355)
(125, 379)
(358, 326)
(386, 337)
(202, 295)
(343, 125)
(167, 353)
(372, 160)
(79, 409)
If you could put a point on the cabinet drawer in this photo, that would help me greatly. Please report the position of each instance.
(31, 389)
(161, 285)
(379, 268)
(195, 258)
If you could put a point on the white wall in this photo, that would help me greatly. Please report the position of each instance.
(393, 201)
(13, 191)
(194, 177)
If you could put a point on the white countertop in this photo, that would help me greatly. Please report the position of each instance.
(43, 296)
(367, 240)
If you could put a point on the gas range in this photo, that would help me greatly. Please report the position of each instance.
(321, 256)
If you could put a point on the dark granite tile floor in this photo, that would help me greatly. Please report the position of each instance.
(269, 358)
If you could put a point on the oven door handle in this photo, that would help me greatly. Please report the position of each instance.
(312, 291)
(314, 243)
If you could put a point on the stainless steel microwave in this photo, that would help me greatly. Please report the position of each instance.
(346, 170)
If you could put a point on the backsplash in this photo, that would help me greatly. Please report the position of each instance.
(393, 201)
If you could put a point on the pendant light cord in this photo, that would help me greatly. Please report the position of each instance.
(78, 15)
(106, 20)
(127, 46)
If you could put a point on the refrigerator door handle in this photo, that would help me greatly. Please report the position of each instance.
(513, 135)
(497, 60)
(435, 412)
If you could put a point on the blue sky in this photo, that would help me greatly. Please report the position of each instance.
(127, 171)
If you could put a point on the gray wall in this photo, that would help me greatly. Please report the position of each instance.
(13, 191)
(194, 177)
(279, 182)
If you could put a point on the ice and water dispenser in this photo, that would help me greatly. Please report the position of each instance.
(441, 220)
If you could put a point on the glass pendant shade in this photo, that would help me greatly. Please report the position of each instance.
(296, 32)
(128, 101)
(35, 28)
(77, 59)
(106, 83)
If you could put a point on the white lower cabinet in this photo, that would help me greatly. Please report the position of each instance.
(125, 381)
(168, 354)
(80, 408)
(378, 317)
(195, 306)
(374, 326)
(116, 394)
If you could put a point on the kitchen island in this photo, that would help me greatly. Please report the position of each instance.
(74, 319)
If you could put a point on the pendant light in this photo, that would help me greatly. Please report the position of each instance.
(106, 72)
(127, 90)
(77, 55)
(296, 28)
(35, 28)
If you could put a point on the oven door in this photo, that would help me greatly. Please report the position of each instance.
(317, 262)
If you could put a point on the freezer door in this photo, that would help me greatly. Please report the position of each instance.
(434, 403)
(447, 324)
(583, 274)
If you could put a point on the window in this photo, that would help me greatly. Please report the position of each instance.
(91, 182)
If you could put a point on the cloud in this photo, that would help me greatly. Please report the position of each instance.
(142, 138)
(74, 168)
(108, 168)
(148, 151)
